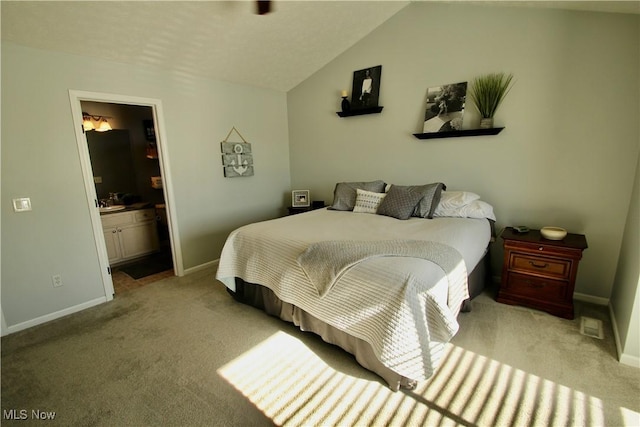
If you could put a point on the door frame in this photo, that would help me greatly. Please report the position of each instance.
(75, 98)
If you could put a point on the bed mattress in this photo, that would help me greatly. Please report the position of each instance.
(404, 307)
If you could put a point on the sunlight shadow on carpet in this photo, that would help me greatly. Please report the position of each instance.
(294, 386)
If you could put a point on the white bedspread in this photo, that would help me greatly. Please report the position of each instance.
(402, 306)
(325, 262)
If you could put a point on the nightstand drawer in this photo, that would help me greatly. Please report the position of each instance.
(548, 248)
(560, 268)
(537, 288)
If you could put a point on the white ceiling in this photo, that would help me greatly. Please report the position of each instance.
(223, 40)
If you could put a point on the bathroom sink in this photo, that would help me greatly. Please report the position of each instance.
(111, 208)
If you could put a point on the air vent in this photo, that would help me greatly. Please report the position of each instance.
(591, 327)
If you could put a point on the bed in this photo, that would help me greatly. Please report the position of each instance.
(386, 290)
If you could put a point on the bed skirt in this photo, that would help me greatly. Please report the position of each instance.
(263, 298)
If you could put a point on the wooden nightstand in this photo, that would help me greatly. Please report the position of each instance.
(301, 209)
(540, 273)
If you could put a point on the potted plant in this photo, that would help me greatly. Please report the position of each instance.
(487, 92)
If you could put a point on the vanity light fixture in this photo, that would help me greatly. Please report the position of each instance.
(87, 124)
(88, 119)
(104, 125)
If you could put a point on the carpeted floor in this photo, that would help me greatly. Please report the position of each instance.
(182, 352)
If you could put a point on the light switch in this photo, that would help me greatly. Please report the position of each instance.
(97, 180)
(22, 204)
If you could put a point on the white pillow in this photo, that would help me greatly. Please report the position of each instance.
(367, 201)
(456, 199)
(475, 209)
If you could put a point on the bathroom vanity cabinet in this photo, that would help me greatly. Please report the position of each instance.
(130, 234)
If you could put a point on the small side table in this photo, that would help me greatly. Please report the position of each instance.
(540, 273)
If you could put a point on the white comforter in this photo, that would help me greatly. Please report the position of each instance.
(404, 307)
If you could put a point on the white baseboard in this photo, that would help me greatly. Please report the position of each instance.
(616, 334)
(4, 330)
(590, 298)
(625, 359)
(52, 316)
(201, 266)
(56, 315)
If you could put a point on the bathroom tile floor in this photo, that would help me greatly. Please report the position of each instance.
(123, 282)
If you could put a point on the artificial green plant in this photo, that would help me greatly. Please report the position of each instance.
(488, 91)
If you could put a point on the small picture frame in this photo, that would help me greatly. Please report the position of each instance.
(300, 198)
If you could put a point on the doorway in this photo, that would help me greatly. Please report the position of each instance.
(127, 168)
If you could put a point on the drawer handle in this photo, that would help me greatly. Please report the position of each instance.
(114, 231)
(533, 264)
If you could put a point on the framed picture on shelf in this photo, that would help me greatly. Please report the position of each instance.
(300, 198)
(445, 107)
(366, 88)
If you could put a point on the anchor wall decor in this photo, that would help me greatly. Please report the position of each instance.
(237, 159)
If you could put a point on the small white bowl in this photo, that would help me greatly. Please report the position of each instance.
(553, 233)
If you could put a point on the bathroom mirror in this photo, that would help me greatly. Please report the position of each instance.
(112, 162)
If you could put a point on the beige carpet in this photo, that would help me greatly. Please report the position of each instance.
(182, 352)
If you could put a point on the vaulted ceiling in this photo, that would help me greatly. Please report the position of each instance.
(223, 40)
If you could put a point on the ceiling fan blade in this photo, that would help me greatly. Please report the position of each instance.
(264, 6)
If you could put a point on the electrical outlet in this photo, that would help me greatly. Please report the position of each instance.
(57, 280)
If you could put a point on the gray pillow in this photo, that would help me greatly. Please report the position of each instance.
(431, 198)
(400, 202)
(344, 195)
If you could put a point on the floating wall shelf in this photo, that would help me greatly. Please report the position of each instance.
(458, 133)
(360, 111)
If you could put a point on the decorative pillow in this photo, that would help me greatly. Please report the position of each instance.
(400, 202)
(475, 209)
(367, 201)
(344, 195)
(456, 199)
(430, 200)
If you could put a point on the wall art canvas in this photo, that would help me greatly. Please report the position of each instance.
(237, 159)
(445, 107)
(366, 88)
